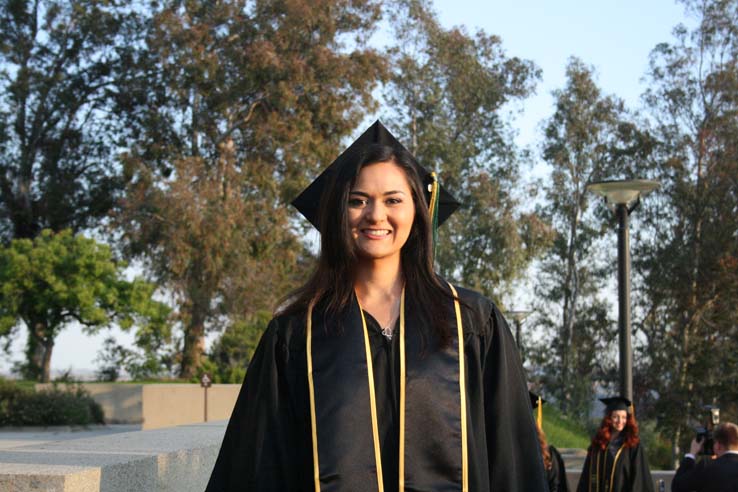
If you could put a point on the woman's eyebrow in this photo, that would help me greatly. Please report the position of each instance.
(362, 193)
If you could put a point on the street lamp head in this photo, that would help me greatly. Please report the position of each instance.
(623, 192)
(518, 315)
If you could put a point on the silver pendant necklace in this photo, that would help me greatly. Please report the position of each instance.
(389, 330)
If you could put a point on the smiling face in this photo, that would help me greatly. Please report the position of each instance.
(619, 418)
(380, 210)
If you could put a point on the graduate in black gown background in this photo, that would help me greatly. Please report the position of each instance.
(377, 375)
(616, 460)
(553, 463)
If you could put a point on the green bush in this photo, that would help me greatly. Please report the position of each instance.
(23, 407)
(658, 449)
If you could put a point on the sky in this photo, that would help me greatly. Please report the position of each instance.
(614, 36)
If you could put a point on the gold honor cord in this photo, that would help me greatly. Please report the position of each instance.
(401, 467)
(539, 419)
(614, 464)
(313, 424)
(372, 400)
(462, 391)
(596, 473)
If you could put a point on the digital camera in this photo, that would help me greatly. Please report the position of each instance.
(704, 433)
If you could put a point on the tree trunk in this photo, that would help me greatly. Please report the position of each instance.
(35, 351)
(48, 347)
(194, 345)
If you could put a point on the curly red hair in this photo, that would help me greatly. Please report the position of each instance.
(547, 463)
(604, 433)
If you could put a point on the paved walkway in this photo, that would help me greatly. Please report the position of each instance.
(15, 437)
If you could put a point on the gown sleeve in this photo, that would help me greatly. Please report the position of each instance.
(641, 480)
(258, 447)
(557, 479)
(515, 462)
(584, 476)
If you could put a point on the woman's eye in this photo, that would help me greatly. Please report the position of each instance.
(394, 201)
(356, 202)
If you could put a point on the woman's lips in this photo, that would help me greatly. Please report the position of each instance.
(376, 233)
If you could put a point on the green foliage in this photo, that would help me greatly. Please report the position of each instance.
(658, 449)
(588, 138)
(237, 105)
(59, 66)
(55, 406)
(563, 431)
(61, 278)
(688, 254)
(231, 354)
(149, 361)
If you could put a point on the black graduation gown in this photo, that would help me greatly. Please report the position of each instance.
(631, 473)
(267, 445)
(556, 475)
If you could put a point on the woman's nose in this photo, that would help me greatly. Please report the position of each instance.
(376, 212)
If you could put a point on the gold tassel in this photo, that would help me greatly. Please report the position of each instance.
(434, 192)
(539, 419)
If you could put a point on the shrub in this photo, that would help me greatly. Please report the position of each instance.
(55, 406)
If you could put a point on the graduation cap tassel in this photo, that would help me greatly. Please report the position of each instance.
(433, 209)
(539, 418)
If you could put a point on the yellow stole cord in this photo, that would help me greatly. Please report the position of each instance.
(373, 401)
(373, 398)
(401, 467)
(313, 424)
(596, 473)
(540, 413)
(614, 464)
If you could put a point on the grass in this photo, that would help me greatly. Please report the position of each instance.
(563, 432)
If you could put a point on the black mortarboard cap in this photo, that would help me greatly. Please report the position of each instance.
(308, 202)
(616, 403)
(534, 400)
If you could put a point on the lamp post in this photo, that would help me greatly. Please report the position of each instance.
(518, 317)
(623, 197)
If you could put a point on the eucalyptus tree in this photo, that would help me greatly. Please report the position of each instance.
(60, 64)
(589, 137)
(449, 92)
(688, 311)
(237, 105)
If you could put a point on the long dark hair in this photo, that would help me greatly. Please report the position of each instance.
(604, 433)
(331, 285)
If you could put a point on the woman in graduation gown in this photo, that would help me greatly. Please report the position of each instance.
(377, 375)
(553, 463)
(616, 460)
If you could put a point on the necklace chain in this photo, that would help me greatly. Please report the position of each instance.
(389, 329)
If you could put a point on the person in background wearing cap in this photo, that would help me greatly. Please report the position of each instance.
(616, 460)
(712, 475)
(552, 461)
(376, 374)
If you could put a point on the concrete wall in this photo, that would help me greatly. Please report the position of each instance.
(167, 405)
(161, 405)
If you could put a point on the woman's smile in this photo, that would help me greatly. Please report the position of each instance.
(381, 210)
